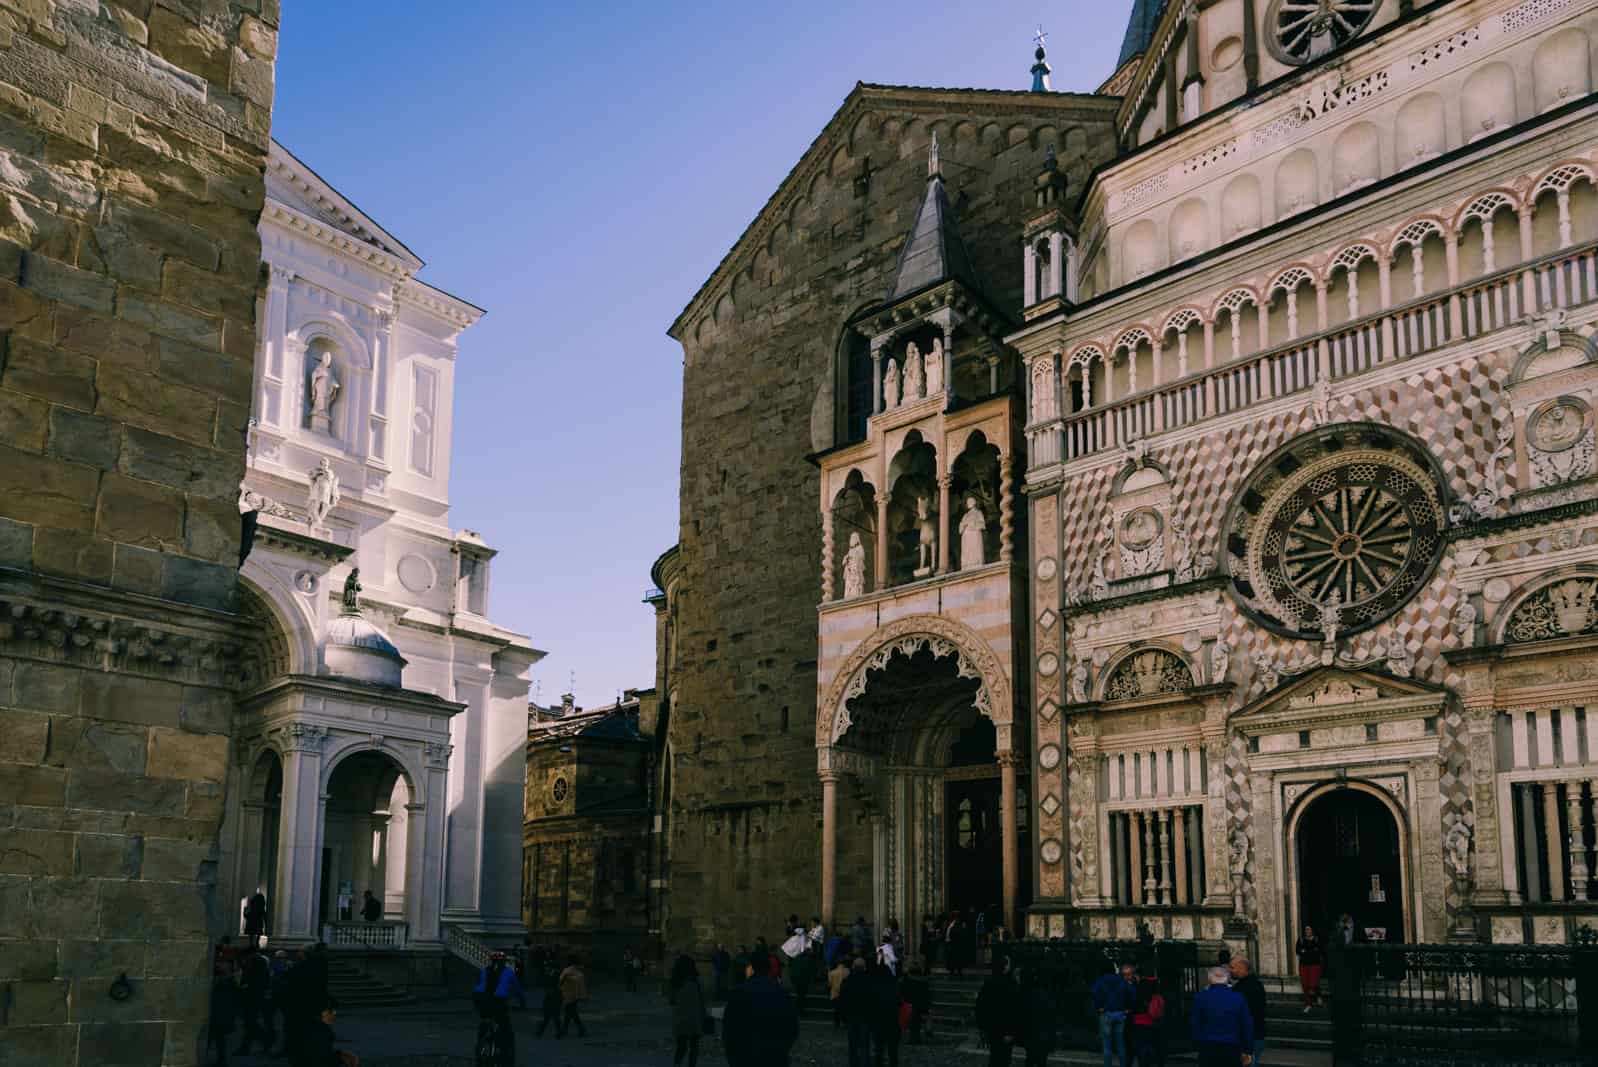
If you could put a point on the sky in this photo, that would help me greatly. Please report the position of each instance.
(579, 170)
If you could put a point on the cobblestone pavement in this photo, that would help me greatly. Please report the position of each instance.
(629, 1030)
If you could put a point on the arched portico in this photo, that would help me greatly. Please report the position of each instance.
(902, 718)
(1341, 832)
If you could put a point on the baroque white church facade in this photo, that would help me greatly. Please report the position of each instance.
(380, 738)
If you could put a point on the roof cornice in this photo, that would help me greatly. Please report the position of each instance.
(903, 98)
(296, 174)
(332, 237)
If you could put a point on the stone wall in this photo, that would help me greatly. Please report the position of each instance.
(759, 342)
(133, 138)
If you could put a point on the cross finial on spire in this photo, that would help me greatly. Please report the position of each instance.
(1040, 66)
(934, 168)
(1040, 36)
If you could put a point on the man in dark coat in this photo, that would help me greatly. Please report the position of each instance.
(1253, 992)
(371, 908)
(917, 992)
(884, 1016)
(1038, 1013)
(224, 1005)
(760, 1024)
(1223, 1030)
(254, 978)
(255, 918)
(999, 1012)
(855, 1004)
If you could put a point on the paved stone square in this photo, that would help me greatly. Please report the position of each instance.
(631, 1030)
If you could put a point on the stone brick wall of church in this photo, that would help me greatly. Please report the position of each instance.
(759, 363)
(134, 135)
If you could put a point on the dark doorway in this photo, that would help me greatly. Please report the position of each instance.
(976, 845)
(1349, 862)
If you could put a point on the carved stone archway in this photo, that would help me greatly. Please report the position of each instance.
(942, 636)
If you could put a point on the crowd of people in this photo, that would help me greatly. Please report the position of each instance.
(267, 994)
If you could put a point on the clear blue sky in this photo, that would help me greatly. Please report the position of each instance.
(578, 170)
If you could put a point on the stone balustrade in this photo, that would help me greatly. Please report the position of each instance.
(384, 934)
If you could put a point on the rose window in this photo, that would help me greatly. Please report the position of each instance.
(1302, 31)
(1349, 519)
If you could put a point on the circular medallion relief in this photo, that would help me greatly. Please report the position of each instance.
(1046, 568)
(1349, 518)
(557, 790)
(1302, 31)
(1050, 851)
(1139, 528)
(1226, 54)
(415, 573)
(1496, 591)
(1048, 663)
(1558, 424)
(305, 582)
(1049, 757)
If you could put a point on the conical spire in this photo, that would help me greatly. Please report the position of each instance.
(1140, 26)
(934, 251)
(1040, 69)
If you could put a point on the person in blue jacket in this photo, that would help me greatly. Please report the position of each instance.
(497, 984)
(1114, 996)
(1223, 1029)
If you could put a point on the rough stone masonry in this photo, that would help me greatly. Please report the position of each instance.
(133, 141)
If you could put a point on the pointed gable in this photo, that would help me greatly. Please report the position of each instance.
(1338, 692)
(934, 251)
(292, 184)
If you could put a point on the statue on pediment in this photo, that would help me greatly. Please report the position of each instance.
(854, 568)
(323, 496)
(914, 383)
(890, 385)
(935, 368)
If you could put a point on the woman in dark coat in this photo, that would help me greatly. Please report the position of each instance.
(687, 1010)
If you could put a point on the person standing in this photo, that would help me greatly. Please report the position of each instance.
(573, 991)
(497, 985)
(255, 918)
(1147, 1029)
(720, 960)
(1114, 995)
(998, 1012)
(885, 1031)
(1311, 964)
(1248, 985)
(224, 1005)
(687, 1011)
(371, 907)
(254, 979)
(760, 1024)
(802, 972)
(860, 938)
(1037, 1015)
(550, 1004)
(854, 1004)
(917, 992)
(931, 934)
(1223, 1030)
(835, 980)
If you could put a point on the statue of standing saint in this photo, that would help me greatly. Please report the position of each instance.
(323, 496)
(854, 568)
(973, 524)
(935, 368)
(927, 537)
(913, 382)
(890, 386)
(324, 390)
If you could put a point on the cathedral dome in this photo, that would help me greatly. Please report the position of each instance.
(357, 649)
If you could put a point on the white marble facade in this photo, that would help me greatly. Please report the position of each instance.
(414, 792)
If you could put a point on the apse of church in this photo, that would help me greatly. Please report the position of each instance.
(1311, 485)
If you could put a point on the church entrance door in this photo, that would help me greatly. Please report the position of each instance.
(975, 852)
(1350, 862)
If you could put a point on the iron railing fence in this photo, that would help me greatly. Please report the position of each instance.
(1465, 1005)
(1067, 969)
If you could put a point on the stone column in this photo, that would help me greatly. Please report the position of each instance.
(1479, 718)
(829, 846)
(1179, 825)
(380, 361)
(881, 582)
(1151, 857)
(1056, 263)
(424, 859)
(299, 863)
(1384, 283)
(1134, 838)
(948, 361)
(1556, 847)
(876, 377)
(1578, 844)
(1562, 197)
(1029, 267)
(945, 521)
(275, 401)
(1528, 281)
(1165, 856)
(1456, 318)
(1217, 866)
(1006, 508)
(826, 554)
(1008, 833)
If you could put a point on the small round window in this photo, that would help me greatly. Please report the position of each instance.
(557, 790)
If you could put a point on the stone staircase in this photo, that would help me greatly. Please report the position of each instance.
(355, 990)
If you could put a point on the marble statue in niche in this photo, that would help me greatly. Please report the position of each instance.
(323, 496)
(1330, 610)
(926, 537)
(973, 524)
(935, 368)
(1079, 683)
(324, 390)
(1400, 660)
(1220, 660)
(854, 567)
(913, 381)
(890, 385)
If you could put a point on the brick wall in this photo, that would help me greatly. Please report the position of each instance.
(759, 344)
(133, 139)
